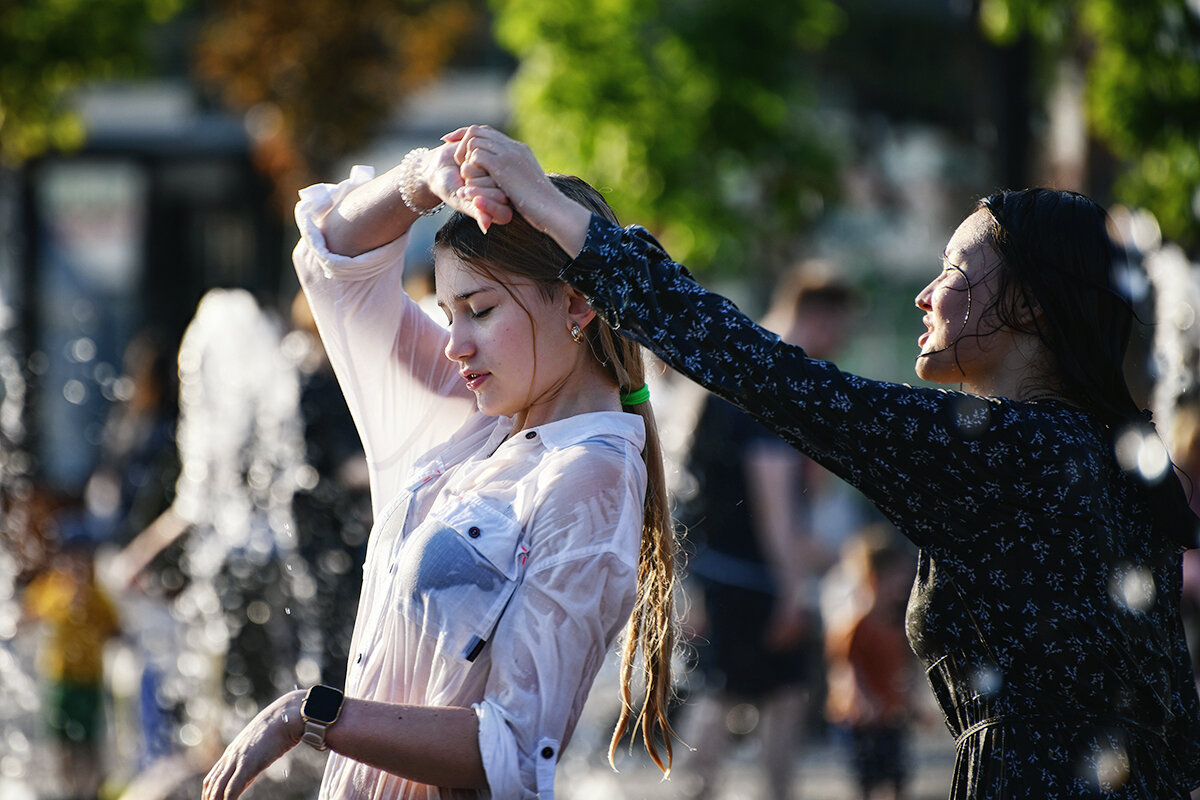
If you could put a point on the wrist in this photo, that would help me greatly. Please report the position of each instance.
(412, 184)
(320, 708)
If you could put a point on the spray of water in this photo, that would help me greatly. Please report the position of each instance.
(241, 449)
(1176, 283)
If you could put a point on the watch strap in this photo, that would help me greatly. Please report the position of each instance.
(314, 734)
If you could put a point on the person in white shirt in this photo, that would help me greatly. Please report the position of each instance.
(519, 501)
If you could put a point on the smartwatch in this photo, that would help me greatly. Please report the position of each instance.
(320, 709)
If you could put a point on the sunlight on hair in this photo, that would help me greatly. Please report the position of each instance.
(1140, 451)
(1133, 587)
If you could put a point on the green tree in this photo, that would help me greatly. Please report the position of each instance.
(49, 49)
(691, 115)
(1143, 91)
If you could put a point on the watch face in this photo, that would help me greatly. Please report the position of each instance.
(322, 704)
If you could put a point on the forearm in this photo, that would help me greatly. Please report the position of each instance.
(370, 216)
(637, 288)
(772, 481)
(436, 746)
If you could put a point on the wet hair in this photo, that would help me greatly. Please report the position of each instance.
(519, 250)
(1057, 259)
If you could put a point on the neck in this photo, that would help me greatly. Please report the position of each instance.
(585, 391)
(1020, 373)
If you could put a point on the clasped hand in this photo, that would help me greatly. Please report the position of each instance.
(487, 176)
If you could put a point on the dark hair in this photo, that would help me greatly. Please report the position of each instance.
(1058, 260)
(518, 249)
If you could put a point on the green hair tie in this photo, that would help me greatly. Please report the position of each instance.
(636, 397)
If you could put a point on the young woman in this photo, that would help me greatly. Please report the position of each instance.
(519, 505)
(1046, 605)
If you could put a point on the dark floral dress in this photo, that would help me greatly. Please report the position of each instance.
(1045, 608)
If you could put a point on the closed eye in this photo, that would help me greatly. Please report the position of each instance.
(482, 313)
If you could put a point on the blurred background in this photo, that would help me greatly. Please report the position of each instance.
(166, 415)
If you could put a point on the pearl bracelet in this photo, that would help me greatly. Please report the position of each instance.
(409, 182)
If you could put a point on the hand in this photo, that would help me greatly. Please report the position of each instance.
(501, 173)
(275, 730)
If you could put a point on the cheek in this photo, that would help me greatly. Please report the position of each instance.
(951, 304)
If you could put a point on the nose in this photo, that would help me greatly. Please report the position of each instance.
(922, 299)
(458, 346)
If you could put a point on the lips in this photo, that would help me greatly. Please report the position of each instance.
(473, 378)
(928, 332)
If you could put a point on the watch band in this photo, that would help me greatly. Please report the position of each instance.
(314, 734)
(321, 708)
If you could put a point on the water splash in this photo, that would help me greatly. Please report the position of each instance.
(1176, 353)
(241, 450)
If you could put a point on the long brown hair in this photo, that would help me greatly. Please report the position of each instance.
(517, 249)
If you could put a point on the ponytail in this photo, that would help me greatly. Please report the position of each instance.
(652, 628)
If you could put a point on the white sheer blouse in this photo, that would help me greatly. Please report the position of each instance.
(499, 570)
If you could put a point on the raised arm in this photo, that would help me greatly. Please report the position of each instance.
(383, 209)
(896, 443)
(389, 357)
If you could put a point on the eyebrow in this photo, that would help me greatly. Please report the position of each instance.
(463, 296)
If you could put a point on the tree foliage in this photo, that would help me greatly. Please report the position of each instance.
(691, 115)
(317, 78)
(1143, 91)
(50, 48)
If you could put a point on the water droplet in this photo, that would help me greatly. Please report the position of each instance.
(971, 416)
(986, 681)
(1139, 451)
(1133, 587)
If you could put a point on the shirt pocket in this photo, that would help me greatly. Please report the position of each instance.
(458, 571)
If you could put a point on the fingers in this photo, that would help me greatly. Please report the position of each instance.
(226, 780)
(473, 174)
(498, 211)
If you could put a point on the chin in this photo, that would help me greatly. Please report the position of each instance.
(928, 370)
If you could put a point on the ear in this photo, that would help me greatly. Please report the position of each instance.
(578, 310)
(1027, 310)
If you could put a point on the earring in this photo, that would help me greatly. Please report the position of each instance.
(576, 333)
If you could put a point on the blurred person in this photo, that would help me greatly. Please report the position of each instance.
(759, 558)
(132, 484)
(1046, 605)
(505, 560)
(134, 479)
(870, 664)
(79, 620)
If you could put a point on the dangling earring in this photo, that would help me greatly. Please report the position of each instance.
(576, 333)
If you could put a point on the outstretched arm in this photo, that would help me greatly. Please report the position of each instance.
(436, 746)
